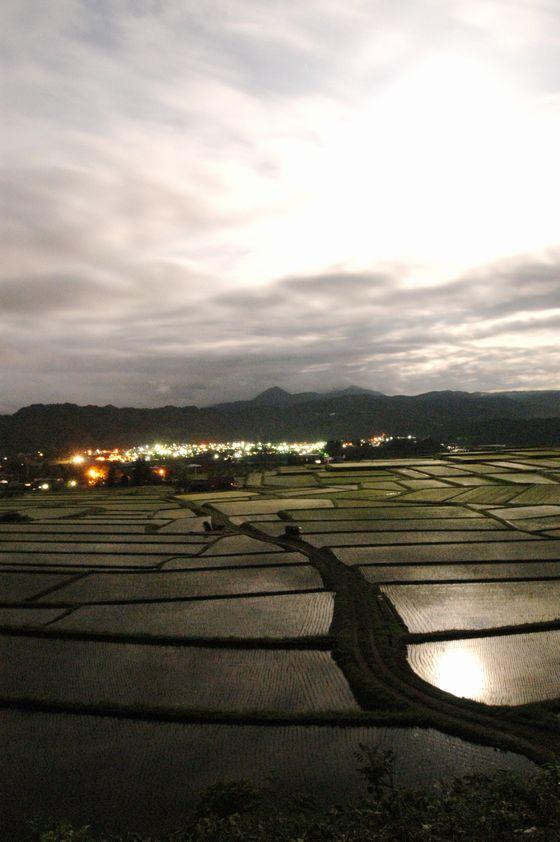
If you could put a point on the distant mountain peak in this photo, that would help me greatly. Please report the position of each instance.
(352, 390)
(275, 396)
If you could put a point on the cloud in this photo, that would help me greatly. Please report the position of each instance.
(200, 200)
(307, 333)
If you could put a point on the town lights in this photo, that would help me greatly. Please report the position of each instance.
(233, 450)
(94, 475)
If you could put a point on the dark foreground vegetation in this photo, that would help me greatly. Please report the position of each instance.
(477, 808)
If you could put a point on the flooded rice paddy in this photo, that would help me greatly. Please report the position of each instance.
(178, 677)
(157, 769)
(511, 669)
(104, 595)
(475, 605)
(293, 615)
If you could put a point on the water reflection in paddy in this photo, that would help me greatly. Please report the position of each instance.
(460, 672)
(130, 775)
(510, 669)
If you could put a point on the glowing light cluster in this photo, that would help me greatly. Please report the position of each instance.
(95, 475)
(225, 450)
(374, 440)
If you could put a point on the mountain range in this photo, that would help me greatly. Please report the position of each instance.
(516, 418)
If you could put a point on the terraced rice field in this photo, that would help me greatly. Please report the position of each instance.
(77, 751)
(536, 524)
(431, 495)
(438, 471)
(475, 480)
(202, 496)
(254, 507)
(530, 548)
(376, 525)
(524, 478)
(76, 547)
(301, 481)
(313, 527)
(214, 562)
(123, 584)
(239, 520)
(507, 670)
(513, 513)
(414, 484)
(444, 536)
(487, 495)
(427, 608)
(348, 496)
(293, 615)
(173, 584)
(239, 544)
(19, 586)
(59, 530)
(331, 480)
(375, 465)
(28, 617)
(56, 560)
(70, 542)
(539, 495)
(459, 572)
(382, 512)
(183, 677)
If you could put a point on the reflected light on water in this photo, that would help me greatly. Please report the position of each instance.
(460, 673)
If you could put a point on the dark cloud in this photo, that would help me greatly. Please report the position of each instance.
(386, 340)
(33, 298)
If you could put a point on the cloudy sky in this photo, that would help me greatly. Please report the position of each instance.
(204, 198)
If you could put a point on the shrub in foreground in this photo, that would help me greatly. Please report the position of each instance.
(477, 808)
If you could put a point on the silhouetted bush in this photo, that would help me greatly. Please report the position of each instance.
(500, 807)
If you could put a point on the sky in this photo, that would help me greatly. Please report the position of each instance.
(205, 198)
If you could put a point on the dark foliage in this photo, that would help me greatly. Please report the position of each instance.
(141, 473)
(13, 517)
(500, 807)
